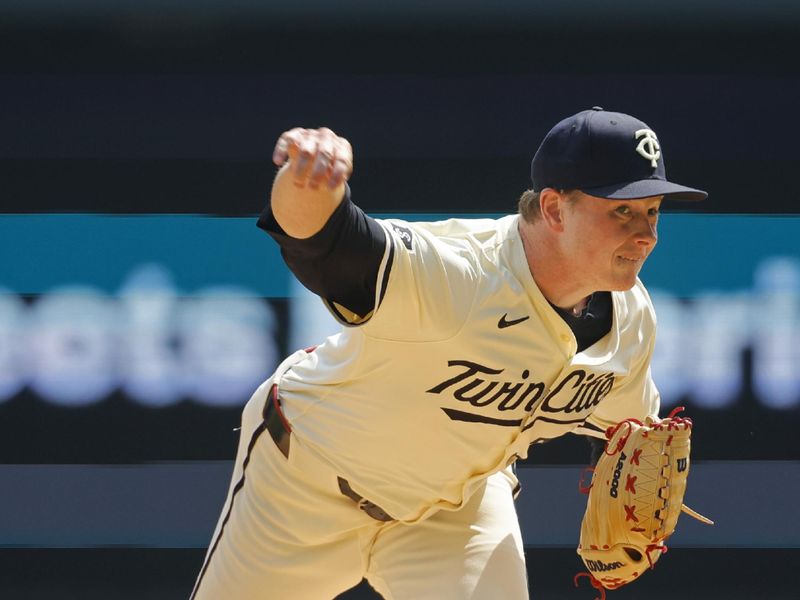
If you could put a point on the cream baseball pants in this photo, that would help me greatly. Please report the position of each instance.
(287, 532)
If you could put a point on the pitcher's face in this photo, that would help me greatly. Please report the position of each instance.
(609, 240)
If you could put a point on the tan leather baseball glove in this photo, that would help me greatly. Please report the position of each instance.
(635, 498)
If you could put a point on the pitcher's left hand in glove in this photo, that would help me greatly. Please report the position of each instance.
(635, 499)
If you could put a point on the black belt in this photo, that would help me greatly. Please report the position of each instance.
(280, 432)
(372, 509)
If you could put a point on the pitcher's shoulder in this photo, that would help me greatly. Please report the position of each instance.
(635, 303)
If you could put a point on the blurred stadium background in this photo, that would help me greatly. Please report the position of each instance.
(139, 304)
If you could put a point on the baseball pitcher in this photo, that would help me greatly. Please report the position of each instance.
(387, 451)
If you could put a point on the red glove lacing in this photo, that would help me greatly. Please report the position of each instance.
(584, 489)
(595, 584)
(674, 422)
(652, 548)
(611, 431)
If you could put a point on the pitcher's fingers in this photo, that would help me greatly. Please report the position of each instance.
(343, 163)
(324, 158)
(306, 149)
(281, 152)
(286, 145)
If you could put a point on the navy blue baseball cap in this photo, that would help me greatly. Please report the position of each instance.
(608, 155)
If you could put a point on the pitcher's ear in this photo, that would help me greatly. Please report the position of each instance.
(551, 205)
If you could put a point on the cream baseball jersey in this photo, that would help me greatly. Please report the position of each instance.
(460, 368)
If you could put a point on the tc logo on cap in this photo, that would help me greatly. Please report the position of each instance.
(593, 151)
(648, 147)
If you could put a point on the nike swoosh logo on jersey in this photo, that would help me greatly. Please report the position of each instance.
(503, 323)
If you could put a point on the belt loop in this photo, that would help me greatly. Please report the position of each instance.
(370, 508)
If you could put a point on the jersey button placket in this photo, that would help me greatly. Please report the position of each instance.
(570, 345)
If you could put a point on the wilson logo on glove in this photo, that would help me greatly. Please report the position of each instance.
(626, 525)
(599, 565)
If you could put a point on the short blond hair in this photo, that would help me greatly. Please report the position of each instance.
(529, 207)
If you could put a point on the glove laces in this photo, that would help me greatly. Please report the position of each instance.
(673, 422)
(652, 548)
(583, 488)
(611, 432)
(594, 583)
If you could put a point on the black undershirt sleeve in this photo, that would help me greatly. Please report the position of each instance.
(341, 261)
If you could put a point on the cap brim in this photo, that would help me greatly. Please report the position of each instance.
(646, 188)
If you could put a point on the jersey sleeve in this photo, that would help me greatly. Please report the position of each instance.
(429, 284)
(341, 262)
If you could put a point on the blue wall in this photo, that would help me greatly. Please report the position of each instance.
(696, 253)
